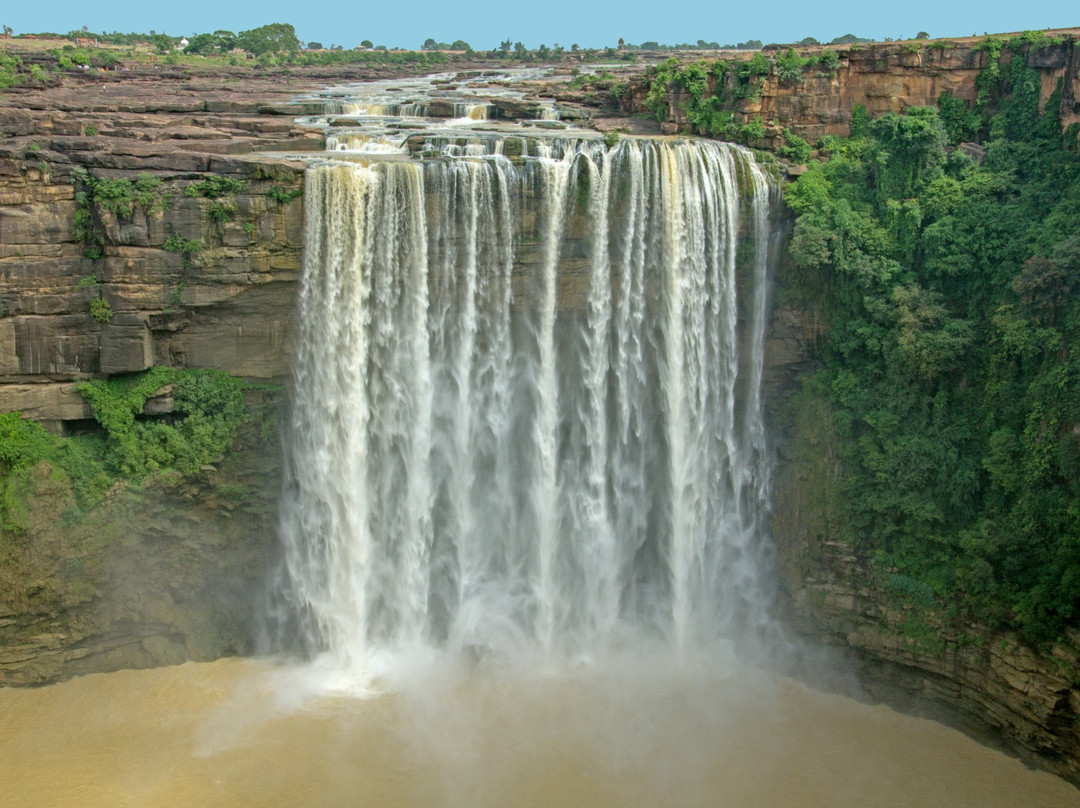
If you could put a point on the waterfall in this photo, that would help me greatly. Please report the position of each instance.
(527, 408)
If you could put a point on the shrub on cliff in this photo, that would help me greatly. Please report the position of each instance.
(24, 444)
(209, 404)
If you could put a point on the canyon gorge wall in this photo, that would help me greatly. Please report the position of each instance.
(882, 78)
(70, 606)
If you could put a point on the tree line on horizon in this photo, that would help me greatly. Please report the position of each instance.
(281, 38)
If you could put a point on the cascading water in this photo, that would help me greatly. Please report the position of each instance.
(527, 413)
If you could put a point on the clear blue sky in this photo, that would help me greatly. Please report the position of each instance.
(484, 23)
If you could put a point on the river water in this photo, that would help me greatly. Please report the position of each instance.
(245, 733)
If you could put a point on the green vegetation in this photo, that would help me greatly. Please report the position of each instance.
(24, 444)
(208, 410)
(829, 60)
(420, 59)
(211, 406)
(754, 129)
(789, 67)
(221, 211)
(710, 111)
(206, 44)
(707, 113)
(9, 71)
(749, 75)
(584, 80)
(215, 187)
(221, 190)
(795, 148)
(120, 196)
(177, 243)
(101, 310)
(616, 92)
(951, 373)
(274, 38)
(283, 195)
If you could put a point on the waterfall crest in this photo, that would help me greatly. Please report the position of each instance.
(527, 409)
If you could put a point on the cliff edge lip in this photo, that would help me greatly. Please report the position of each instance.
(232, 110)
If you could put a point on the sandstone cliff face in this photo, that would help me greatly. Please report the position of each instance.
(887, 77)
(227, 305)
(986, 681)
(172, 571)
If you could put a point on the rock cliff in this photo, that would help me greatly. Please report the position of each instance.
(203, 280)
(882, 77)
(985, 681)
(167, 572)
(226, 304)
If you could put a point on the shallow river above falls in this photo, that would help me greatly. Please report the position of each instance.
(243, 733)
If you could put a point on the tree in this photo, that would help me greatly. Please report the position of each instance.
(922, 35)
(201, 44)
(314, 46)
(429, 44)
(277, 37)
(848, 39)
(460, 44)
(520, 49)
(7, 30)
(367, 43)
(226, 40)
(789, 67)
(163, 43)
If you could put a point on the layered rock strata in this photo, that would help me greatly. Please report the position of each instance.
(881, 77)
(984, 680)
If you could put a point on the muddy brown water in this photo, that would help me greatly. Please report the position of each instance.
(249, 733)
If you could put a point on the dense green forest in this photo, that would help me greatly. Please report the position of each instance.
(948, 286)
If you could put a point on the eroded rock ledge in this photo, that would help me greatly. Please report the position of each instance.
(226, 305)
